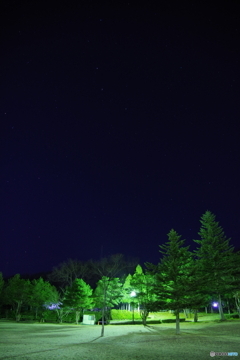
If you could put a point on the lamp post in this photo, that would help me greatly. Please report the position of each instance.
(133, 294)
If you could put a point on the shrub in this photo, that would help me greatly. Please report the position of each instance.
(172, 320)
(49, 315)
(26, 316)
(10, 314)
(124, 315)
(232, 316)
(70, 318)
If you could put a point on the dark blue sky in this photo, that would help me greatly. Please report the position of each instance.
(118, 123)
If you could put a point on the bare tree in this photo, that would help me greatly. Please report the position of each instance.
(66, 272)
(112, 266)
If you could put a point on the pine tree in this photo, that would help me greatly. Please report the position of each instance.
(216, 258)
(172, 276)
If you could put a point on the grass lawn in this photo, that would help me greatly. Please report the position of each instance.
(24, 341)
(168, 315)
(202, 316)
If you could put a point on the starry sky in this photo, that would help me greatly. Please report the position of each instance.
(118, 122)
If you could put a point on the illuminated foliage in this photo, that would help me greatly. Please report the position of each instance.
(107, 294)
(143, 284)
(127, 290)
(42, 293)
(17, 293)
(172, 275)
(78, 297)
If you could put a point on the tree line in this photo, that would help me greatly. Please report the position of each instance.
(182, 279)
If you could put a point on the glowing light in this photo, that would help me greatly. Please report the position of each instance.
(53, 306)
(133, 293)
(215, 304)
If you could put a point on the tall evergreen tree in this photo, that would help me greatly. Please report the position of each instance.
(216, 258)
(198, 291)
(172, 275)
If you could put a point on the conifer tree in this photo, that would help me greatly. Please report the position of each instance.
(216, 258)
(173, 274)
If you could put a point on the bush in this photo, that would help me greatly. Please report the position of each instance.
(70, 318)
(232, 316)
(172, 320)
(49, 315)
(124, 315)
(10, 314)
(26, 316)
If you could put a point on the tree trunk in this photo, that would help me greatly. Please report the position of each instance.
(238, 309)
(18, 311)
(77, 316)
(222, 317)
(206, 311)
(177, 322)
(195, 315)
(144, 316)
(103, 312)
(237, 302)
(36, 313)
(59, 315)
(229, 311)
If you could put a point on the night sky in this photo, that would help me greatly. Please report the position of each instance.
(118, 122)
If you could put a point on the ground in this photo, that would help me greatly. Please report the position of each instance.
(23, 341)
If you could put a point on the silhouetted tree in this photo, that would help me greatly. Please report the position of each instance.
(112, 266)
(65, 273)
